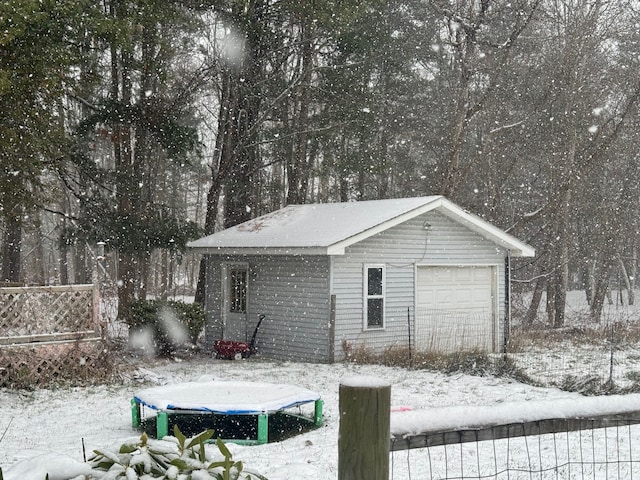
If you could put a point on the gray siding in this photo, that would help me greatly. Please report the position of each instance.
(293, 294)
(213, 301)
(401, 249)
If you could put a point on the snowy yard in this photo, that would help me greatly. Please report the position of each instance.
(583, 350)
(58, 420)
(62, 419)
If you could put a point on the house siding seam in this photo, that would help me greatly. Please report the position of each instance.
(431, 239)
(293, 294)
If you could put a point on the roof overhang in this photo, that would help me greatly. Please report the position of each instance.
(515, 247)
(483, 228)
(486, 230)
(296, 251)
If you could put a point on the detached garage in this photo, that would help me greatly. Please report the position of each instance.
(372, 274)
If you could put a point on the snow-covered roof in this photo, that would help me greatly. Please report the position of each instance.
(328, 228)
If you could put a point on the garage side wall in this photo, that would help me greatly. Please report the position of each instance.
(293, 294)
(431, 239)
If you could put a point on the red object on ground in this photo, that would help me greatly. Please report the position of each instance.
(232, 350)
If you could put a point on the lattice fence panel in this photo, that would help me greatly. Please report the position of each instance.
(31, 365)
(50, 335)
(46, 310)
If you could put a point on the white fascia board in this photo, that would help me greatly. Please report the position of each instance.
(259, 251)
(452, 211)
(487, 230)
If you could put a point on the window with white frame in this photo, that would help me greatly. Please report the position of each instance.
(374, 287)
(238, 290)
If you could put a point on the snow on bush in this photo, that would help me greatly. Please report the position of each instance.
(172, 458)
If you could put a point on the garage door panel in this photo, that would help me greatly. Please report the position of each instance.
(455, 309)
(453, 298)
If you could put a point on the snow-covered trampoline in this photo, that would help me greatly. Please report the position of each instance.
(244, 412)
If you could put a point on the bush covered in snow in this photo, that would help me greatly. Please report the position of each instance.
(172, 458)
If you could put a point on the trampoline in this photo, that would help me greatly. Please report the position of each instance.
(243, 412)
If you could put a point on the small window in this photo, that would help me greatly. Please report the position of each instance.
(238, 290)
(374, 298)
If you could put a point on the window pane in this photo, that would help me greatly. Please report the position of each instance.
(238, 291)
(374, 312)
(374, 281)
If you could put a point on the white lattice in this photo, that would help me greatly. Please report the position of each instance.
(46, 310)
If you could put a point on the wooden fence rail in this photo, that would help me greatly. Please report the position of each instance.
(452, 425)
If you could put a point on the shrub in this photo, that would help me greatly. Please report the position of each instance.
(149, 314)
(142, 313)
(172, 458)
(176, 457)
(192, 316)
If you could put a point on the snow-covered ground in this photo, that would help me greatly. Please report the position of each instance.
(60, 420)
(65, 420)
(582, 351)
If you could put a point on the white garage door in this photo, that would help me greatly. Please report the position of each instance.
(455, 309)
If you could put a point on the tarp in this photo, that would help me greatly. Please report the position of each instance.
(226, 397)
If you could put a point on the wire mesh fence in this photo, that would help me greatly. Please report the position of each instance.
(453, 330)
(431, 331)
(579, 353)
(584, 351)
(586, 453)
(578, 356)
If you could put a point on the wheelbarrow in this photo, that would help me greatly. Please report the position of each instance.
(233, 350)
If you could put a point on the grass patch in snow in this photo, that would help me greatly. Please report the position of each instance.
(470, 362)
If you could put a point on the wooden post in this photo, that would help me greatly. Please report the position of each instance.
(332, 329)
(363, 443)
(99, 323)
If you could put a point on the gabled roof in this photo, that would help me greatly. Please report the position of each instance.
(328, 228)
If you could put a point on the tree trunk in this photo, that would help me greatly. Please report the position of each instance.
(451, 176)
(297, 168)
(123, 155)
(632, 276)
(627, 278)
(550, 304)
(589, 282)
(12, 247)
(561, 233)
(219, 170)
(600, 293)
(560, 258)
(532, 311)
(241, 132)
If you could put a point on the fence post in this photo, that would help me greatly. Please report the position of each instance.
(363, 442)
(98, 290)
